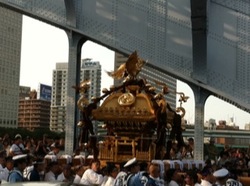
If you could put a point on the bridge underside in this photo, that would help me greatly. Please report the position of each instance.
(201, 42)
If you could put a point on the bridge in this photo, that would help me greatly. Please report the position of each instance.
(204, 43)
(234, 134)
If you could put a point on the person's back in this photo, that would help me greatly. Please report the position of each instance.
(150, 177)
(120, 178)
(233, 182)
(131, 168)
(35, 173)
(15, 176)
(139, 179)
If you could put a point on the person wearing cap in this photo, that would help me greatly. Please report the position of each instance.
(221, 177)
(132, 167)
(34, 174)
(91, 176)
(16, 175)
(17, 147)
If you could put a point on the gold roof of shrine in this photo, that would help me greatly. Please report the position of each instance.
(126, 107)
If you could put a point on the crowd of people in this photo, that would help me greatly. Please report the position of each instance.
(26, 160)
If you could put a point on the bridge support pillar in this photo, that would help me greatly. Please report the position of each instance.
(200, 96)
(75, 44)
(199, 39)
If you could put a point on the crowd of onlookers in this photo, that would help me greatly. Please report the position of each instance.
(39, 160)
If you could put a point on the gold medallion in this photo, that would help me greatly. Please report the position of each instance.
(126, 99)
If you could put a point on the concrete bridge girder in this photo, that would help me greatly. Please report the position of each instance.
(163, 33)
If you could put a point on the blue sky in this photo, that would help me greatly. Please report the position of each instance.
(44, 45)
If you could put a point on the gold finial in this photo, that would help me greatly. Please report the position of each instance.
(129, 69)
(182, 99)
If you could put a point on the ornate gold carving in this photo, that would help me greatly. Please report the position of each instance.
(126, 99)
(182, 110)
(184, 99)
(129, 69)
(82, 88)
(132, 110)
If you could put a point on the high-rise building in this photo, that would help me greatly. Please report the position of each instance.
(10, 52)
(151, 74)
(90, 70)
(33, 113)
(58, 97)
(24, 92)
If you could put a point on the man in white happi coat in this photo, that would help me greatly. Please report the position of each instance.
(53, 171)
(91, 175)
(65, 176)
